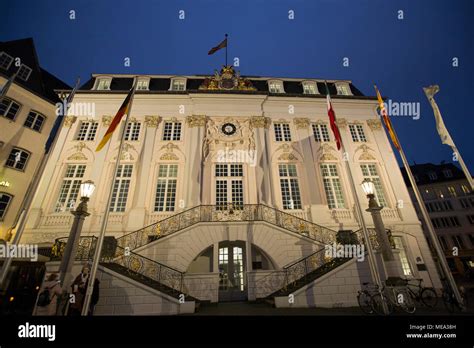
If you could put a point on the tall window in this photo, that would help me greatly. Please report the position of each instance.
(17, 159)
(5, 60)
(290, 189)
(166, 187)
(452, 191)
(87, 131)
(332, 186)
(70, 187)
(444, 243)
(343, 89)
(457, 239)
(229, 186)
(5, 200)
(403, 256)
(34, 121)
(282, 131)
(9, 108)
(357, 133)
(369, 171)
(172, 131)
(132, 133)
(121, 187)
(320, 132)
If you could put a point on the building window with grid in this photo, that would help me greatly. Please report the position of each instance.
(357, 133)
(5, 61)
(142, 84)
(87, 131)
(70, 187)
(309, 87)
(343, 89)
(320, 132)
(282, 132)
(24, 72)
(458, 241)
(444, 243)
(470, 218)
(275, 87)
(229, 186)
(403, 256)
(178, 85)
(103, 84)
(9, 108)
(289, 186)
(172, 131)
(121, 187)
(332, 186)
(17, 159)
(166, 187)
(34, 121)
(369, 171)
(132, 133)
(5, 200)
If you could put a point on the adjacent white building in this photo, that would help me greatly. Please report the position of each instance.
(228, 181)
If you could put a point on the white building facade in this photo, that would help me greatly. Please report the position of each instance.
(226, 183)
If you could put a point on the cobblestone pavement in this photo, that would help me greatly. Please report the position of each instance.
(248, 308)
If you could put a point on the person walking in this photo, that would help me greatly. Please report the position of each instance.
(47, 301)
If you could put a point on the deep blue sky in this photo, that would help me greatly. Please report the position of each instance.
(401, 56)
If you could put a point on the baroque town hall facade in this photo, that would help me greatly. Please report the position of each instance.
(228, 189)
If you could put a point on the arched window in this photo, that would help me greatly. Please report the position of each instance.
(5, 200)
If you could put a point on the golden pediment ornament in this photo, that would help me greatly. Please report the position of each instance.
(69, 121)
(341, 122)
(260, 122)
(196, 120)
(169, 156)
(106, 120)
(287, 157)
(152, 121)
(301, 123)
(374, 124)
(227, 79)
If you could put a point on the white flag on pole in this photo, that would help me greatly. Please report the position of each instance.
(442, 131)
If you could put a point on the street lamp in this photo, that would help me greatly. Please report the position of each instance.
(374, 209)
(86, 190)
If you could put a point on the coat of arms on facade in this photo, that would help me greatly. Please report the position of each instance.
(227, 79)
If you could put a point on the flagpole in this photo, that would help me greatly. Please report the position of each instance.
(227, 45)
(100, 240)
(28, 200)
(426, 217)
(463, 166)
(374, 270)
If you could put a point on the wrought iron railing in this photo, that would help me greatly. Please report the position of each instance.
(230, 212)
(373, 237)
(290, 274)
(85, 249)
(134, 263)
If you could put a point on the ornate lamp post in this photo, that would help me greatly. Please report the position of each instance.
(384, 242)
(86, 190)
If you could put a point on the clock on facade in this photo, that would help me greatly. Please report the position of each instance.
(228, 129)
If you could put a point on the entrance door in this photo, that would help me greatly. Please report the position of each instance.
(232, 272)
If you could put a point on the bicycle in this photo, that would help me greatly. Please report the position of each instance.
(426, 296)
(364, 297)
(393, 296)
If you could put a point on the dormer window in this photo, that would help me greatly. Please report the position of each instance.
(275, 86)
(24, 72)
(343, 88)
(103, 83)
(447, 173)
(178, 84)
(5, 61)
(143, 83)
(310, 87)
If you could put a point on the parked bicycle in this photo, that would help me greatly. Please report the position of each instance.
(449, 299)
(420, 294)
(364, 297)
(394, 295)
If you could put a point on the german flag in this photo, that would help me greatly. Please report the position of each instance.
(386, 120)
(124, 109)
(218, 47)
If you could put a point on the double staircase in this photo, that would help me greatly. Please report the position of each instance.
(120, 254)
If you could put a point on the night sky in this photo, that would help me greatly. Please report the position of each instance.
(401, 56)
